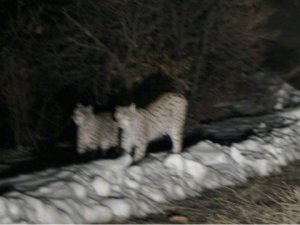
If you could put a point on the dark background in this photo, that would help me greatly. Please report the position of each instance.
(54, 54)
(285, 53)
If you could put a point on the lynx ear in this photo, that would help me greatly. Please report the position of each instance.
(74, 119)
(79, 105)
(89, 108)
(132, 107)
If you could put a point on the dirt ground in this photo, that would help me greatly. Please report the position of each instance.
(272, 199)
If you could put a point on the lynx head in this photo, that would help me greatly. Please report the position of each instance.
(81, 114)
(124, 116)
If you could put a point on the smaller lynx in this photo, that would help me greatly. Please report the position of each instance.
(165, 116)
(94, 130)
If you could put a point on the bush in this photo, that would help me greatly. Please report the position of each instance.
(55, 54)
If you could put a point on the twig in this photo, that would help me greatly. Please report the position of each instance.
(103, 47)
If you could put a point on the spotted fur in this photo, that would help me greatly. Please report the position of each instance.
(165, 116)
(94, 130)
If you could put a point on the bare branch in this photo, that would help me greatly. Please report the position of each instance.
(101, 46)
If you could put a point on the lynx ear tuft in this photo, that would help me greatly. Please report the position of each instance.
(132, 107)
(89, 108)
(79, 105)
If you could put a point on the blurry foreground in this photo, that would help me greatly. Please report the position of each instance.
(273, 199)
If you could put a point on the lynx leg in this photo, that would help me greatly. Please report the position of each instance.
(81, 146)
(139, 152)
(177, 136)
(104, 145)
(176, 141)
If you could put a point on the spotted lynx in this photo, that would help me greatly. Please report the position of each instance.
(94, 130)
(165, 116)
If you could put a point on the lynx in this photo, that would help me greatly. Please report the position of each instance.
(94, 130)
(165, 116)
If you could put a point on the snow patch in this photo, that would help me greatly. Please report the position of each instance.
(175, 163)
(101, 186)
(97, 214)
(120, 208)
(109, 190)
(154, 194)
(79, 190)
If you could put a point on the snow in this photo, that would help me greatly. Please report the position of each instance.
(178, 192)
(175, 164)
(119, 208)
(114, 165)
(130, 183)
(13, 210)
(154, 194)
(97, 214)
(79, 190)
(195, 170)
(102, 187)
(110, 190)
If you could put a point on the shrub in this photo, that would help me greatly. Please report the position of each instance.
(102, 52)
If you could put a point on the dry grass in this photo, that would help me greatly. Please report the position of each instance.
(273, 199)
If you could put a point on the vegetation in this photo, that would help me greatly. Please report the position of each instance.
(56, 53)
(263, 200)
(106, 53)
